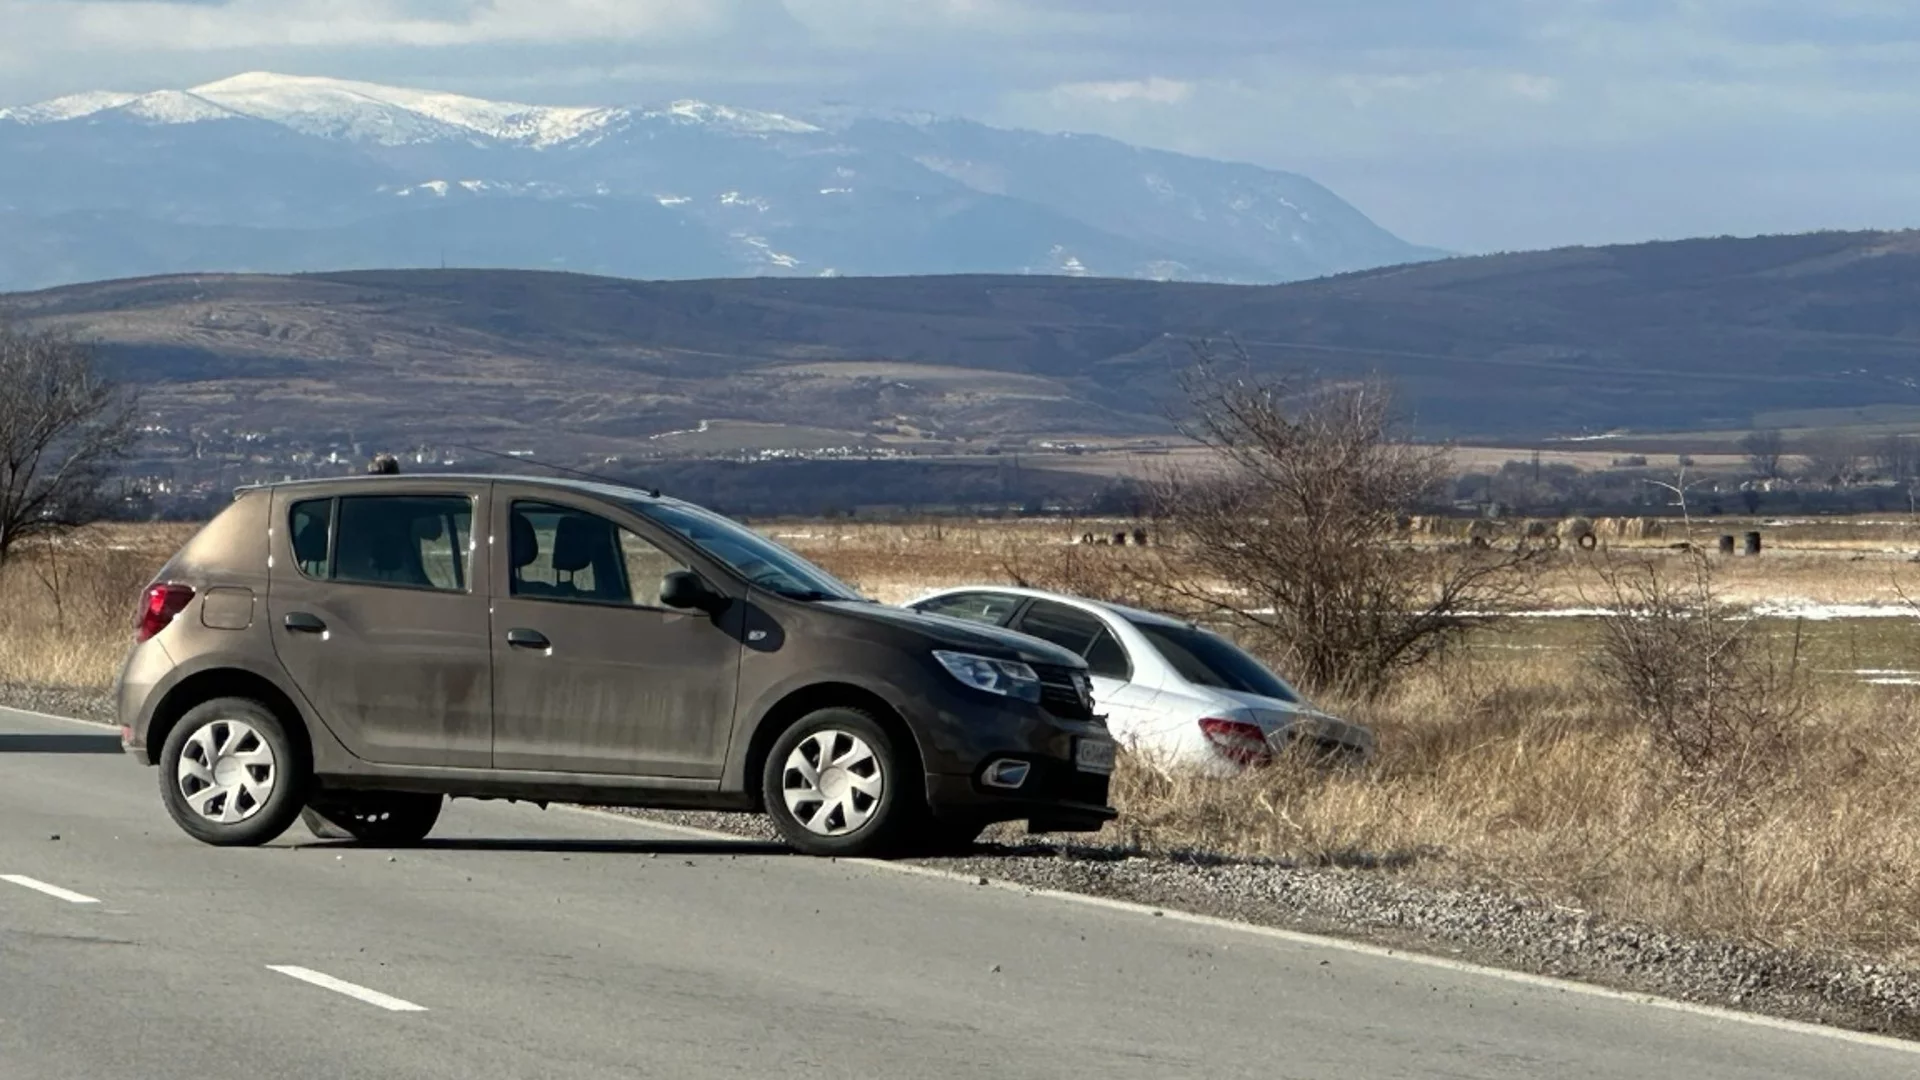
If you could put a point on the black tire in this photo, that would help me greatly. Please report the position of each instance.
(213, 723)
(383, 818)
(888, 819)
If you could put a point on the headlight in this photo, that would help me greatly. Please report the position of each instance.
(1008, 678)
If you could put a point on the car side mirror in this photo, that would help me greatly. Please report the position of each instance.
(683, 589)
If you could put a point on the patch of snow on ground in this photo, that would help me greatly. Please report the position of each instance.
(1816, 612)
(71, 107)
(766, 250)
(176, 107)
(745, 121)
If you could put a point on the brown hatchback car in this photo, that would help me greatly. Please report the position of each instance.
(357, 650)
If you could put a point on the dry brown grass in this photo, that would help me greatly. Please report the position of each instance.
(1516, 775)
(67, 606)
(1867, 561)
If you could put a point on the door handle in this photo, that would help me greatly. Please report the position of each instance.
(522, 638)
(302, 623)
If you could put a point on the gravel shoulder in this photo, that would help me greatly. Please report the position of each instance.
(1378, 907)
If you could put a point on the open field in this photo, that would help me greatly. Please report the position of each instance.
(1508, 765)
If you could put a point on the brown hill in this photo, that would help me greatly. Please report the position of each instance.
(1689, 335)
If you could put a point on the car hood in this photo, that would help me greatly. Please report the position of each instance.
(947, 632)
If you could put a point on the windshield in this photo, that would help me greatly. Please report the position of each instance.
(752, 556)
(1207, 659)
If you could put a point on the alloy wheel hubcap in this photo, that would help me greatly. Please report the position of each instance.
(832, 783)
(226, 772)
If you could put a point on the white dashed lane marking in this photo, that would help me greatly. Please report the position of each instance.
(54, 891)
(341, 986)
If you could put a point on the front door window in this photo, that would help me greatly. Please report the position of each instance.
(559, 553)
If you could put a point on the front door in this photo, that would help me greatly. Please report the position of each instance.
(591, 672)
(1127, 705)
(377, 619)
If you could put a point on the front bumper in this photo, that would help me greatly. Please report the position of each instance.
(1055, 797)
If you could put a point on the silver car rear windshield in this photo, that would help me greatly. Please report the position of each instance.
(1207, 659)
(752, 556)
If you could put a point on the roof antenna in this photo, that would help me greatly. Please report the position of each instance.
(653, 493)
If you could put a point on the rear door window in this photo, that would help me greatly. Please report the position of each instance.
(404, 541)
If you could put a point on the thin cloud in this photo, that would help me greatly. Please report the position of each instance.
(1156, 90)
(1465, 123)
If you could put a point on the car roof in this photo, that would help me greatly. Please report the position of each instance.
(601, 489)
(1131, 614)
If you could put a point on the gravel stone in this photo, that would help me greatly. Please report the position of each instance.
(59, 701)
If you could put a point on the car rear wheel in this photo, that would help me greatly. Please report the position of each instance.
(230, 775)
(386, 818)
(833, 785)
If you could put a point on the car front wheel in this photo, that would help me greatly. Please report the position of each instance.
(835, 784)
(230, 775)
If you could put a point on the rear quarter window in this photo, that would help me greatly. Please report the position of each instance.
(311, 523)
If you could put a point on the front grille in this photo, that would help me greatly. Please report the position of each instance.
(1059, 695)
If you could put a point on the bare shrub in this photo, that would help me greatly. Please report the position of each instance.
(1834, 458)
(90, 580)
(1114, 575)
(1301, 529)
(1765, 450)
(1716, 695)
(63, 429)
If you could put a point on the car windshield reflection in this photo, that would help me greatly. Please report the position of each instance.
(761, 561)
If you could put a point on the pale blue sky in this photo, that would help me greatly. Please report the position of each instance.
(1471, 124)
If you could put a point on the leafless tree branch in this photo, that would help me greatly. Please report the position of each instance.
(63, 430)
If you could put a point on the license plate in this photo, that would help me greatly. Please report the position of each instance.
(1094, 755)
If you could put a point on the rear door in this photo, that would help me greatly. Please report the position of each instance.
(591, 672)
(377, 618)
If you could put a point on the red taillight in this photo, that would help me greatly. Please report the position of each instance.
(162, 603)
(1238, 740)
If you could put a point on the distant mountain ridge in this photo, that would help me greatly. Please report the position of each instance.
(278, 173)
(1692, 335)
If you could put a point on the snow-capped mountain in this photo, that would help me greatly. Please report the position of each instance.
(280, 172)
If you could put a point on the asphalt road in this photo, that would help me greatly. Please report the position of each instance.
(525, 943)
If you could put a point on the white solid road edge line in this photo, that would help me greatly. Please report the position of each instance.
(62, 719)
(54, 891)
(341, 986)
(1296, 937)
